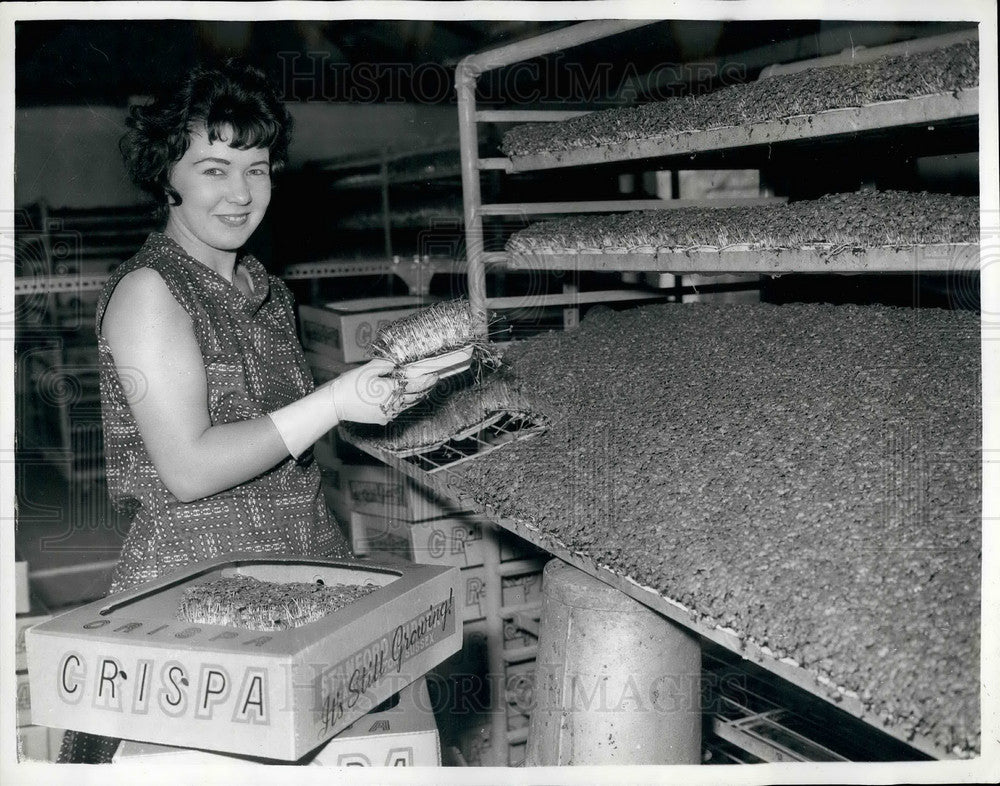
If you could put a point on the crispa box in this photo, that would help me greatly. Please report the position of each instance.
(127, 667)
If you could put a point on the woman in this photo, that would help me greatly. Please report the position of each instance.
(208, 406)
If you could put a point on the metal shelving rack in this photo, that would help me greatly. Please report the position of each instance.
(63, 257)
(416, 275)
(375, 173)
(928, 110)
(382, 171)
(446, 480)
(930, 258)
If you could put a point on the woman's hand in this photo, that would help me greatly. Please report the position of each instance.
(369, 394)
(152, 340)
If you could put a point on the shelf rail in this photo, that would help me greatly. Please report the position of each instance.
(466, 76)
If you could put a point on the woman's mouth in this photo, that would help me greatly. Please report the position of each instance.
(234, 219)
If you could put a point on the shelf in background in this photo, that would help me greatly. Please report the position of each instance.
(375, 180)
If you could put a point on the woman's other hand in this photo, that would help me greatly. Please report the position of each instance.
(370, 394)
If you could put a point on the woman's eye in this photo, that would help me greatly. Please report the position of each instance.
(258, 171)
(214, 171)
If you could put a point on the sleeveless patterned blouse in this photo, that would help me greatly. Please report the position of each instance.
(254, 364)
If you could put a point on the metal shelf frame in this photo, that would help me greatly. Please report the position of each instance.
(415, 274)
(925, 110)
(467, 73)
(382, 178)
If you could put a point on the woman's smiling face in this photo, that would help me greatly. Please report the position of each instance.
(224, 195)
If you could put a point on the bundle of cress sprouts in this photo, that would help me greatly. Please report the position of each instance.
(245, 602)
(435, 330)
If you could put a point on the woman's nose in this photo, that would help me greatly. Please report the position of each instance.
(239, 191)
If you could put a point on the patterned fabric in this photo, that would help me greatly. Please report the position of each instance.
(78, 747)
(254, 365)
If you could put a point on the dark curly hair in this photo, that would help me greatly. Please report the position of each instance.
(232, 95)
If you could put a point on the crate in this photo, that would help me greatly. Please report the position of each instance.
(343, 330)
(126, 666)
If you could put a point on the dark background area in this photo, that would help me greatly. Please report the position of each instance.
(77, 62)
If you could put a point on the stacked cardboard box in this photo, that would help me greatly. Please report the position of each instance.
(390, 514)
(401, 732)
(457, 541)
(343, 330)
(34, 743)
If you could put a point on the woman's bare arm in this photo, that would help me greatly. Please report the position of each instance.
(151, 335)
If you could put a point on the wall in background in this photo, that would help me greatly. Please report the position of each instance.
(68, 156)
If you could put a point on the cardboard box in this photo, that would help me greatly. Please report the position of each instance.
(23, 699)
(404, 735)
(370, 537)
(21, 624)
(473, 598)
(379, 490)
(344, 329)
(324, 368)
(445, 542)
(514, 591)
(454, 540)
(38, 743)
(22, 596)
(448, 541)
(519, 688)
(126, 667)
(522, 589)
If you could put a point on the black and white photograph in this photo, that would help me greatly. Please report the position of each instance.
(481, 392)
